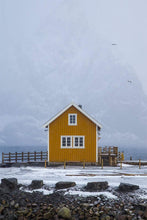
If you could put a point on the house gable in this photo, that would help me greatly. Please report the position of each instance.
(79, 109)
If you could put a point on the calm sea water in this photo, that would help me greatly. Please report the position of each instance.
(135, 153)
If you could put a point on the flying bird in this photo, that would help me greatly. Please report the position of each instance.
(129, 81)
(114, 44)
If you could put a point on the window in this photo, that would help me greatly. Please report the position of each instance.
(72, 119)
(72, 141)
(66, 141)
(78, 141)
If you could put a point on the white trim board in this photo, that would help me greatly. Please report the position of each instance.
(77, 107)
(48, 144)
(96, 144)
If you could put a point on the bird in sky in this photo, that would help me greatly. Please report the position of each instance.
(129, 81)
(114, 44)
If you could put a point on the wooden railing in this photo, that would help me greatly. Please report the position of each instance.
(108, 150)
(24, 157)
(107, 155)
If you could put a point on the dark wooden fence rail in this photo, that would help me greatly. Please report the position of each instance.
(24, 157)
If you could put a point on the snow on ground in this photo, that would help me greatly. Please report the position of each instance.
(50, 176)
(84, 194)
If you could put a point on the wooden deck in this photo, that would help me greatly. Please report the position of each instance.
(108, 156)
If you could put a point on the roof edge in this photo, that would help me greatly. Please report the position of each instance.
(67, 107)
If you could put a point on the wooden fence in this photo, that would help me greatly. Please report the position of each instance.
(24, 157)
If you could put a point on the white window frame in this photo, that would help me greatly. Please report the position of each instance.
(78, 136)
(72, 124)
(66, 136)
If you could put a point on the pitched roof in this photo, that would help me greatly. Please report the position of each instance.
(77, 107)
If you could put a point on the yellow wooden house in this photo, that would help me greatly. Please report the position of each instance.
(73, 136)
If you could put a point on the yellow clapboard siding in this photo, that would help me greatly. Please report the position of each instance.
(59, 127)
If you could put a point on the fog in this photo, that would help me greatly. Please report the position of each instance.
(57, 52)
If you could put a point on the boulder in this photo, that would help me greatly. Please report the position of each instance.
(36, 184)
(126, 187)
(9, 184)
(142, 206)
(96, 186)
(64, 213)
(64, 185)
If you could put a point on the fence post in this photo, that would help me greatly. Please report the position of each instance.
(28, 156)
(2, 157)
(102, 164)
(41, 155)
(35, 156)
(64, 164)
(84, 164)
(16, 157)
(139, 164)
(115, 161)
(110, 160)
(45, 163)
(47, 155)
(121, 164)
(22, 156)
(9, 157)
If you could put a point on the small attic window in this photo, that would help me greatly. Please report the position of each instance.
(72, 119)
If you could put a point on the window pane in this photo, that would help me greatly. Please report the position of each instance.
(73, 119)
(70, 119)
(68, 142)
(64, 141)
(81, 141)
(76, 141)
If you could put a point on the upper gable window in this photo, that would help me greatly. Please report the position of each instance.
(72, 119)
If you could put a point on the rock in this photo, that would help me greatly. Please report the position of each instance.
(64, 185)
(29, 204)
(122, 217)
(34, 205)
(142, 206)
(145, 214)
(16, 206)
(9, 184)
(126, 187)
(96, 186)
(107, 217)
(1, 208)
(64, 213)
(47, 215)
(81, 217)
(94, 218)
(36, 184)
(12, 203)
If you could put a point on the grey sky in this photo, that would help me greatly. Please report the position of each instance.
(121, 22)
(53, 52)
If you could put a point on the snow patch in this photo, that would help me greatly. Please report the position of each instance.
(85, 194)
(44, 191)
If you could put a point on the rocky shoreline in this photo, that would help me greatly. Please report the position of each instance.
(15, 203)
